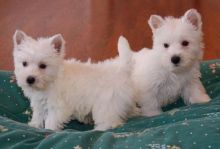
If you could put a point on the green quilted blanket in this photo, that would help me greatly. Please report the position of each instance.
(180, 126)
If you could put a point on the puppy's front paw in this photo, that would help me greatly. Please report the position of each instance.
(201, 99)
(35, 124)
(205, 98)
(52, 127)
(52, 124)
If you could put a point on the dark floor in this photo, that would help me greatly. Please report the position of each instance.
(91, 27)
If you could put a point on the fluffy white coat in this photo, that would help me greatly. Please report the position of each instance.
(69, 89)
(159, 77)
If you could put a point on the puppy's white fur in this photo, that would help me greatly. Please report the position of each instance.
(69, 89)
(157, 79)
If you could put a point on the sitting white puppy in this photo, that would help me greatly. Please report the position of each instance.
(172, 68)
(60, 90)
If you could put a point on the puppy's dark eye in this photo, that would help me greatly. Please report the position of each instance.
(166, 45)
(24, 64)
(185, 43)
(42, 66)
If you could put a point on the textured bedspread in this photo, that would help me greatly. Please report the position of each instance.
(180, 126)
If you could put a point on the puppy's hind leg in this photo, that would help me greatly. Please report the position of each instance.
(106, 119)
(111, 112)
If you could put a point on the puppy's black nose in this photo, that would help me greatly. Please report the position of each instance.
(30, 80)
(175, 59)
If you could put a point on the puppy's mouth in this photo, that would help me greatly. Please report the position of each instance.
(36, 86)
(177, 68)
(176, 65)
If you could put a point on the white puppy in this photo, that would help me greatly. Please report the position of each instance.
(172, 68)
(60, 90)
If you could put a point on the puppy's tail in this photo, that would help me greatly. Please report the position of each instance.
(125, 52)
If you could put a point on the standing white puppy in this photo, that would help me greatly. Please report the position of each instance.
(172, 68)
(60, 90)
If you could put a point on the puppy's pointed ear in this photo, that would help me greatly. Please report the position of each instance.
(155, 22)
(58, 43)
(18, 37)
(193, 17)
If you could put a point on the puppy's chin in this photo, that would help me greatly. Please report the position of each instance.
(173, 68)
(39, 86)
(36, 86)
(177, 69)
(181, 68)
